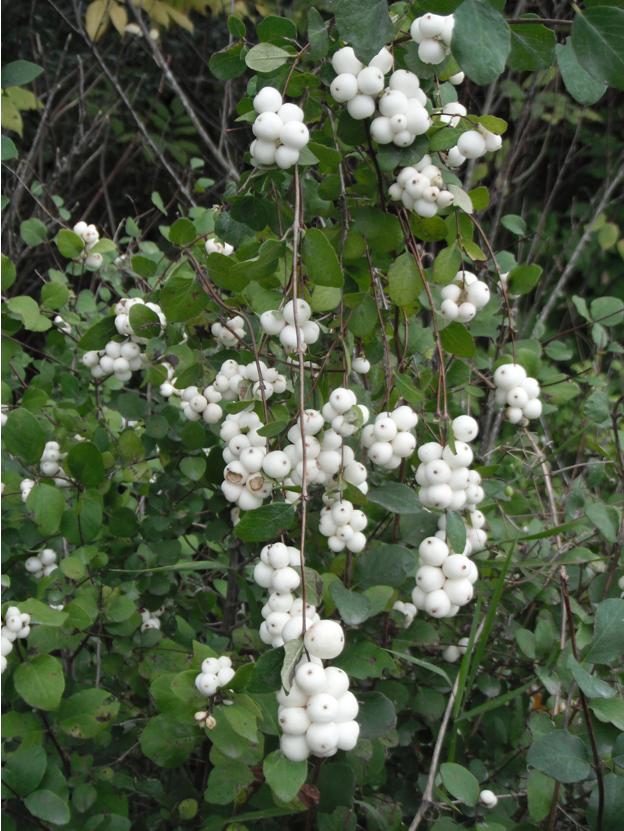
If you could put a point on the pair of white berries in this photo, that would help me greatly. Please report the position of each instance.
(343, 525)
(16, 625)
(464, 297)
(90, 236)
(282, 323)
(213, 246)
(279, 130)
(420, 188)
(408, 609)
(215, 673)
(42, 564)
(318, 714)
(150, 620)
(518, 392)
(50, 463)
(472, 144)
(433, 34)
(390, 440)
(118, 359)
(453, 652)
(231, 331)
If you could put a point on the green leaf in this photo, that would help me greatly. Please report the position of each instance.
(336, 784)
(48, 806)
(540, 790)
(40, 682)
(404, 280)
(42, 613)
(598, 42)
(480, 198)
(364, 660)
(532, 47)
(103, 246)
(320, 260)
(193, 467)
(324, 299)
(610, 711)
(605, 518)
(266, 676)
(236, 27)
(182, 232)
(23, 436)
(292, 654)
(364, 317)
(47, 503)
(608, 310)
(266, 522)
(526, 642)
(242, 721)
(481, 41)
(365, 25)
(407, 390)
(578, 82)
(428, 229)
(86, 714)
(182, 298)
(384, 565)
(389, 156)
(353, 608)
(228, 64)
(515, 224)
(523, 278)
(381, 231)
(273, 428)
(325, 155)
(24, 770)
(597, 407)
(33, 232)
(561, 756)
(97, 336)
(143, 266)
(144, 321)
(8, 150)
(460, 783)
(273, 29)
(226, 781)
(265, 57)
(396, 498)
(457, 340)
(250, 211)
(18, 73)
(8, 272)
(591, 685)
(447, 264)
(28, 310)
(69, 244)
(169, 742)
(376, 715)
(455, 531)
(284, 777)
(613, 805)
(608, 642)
(85, 463)
(54, 295)
(317, 36)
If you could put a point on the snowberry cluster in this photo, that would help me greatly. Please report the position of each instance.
(120, 359)
(453, 651)
(476, 537)
(420, 188)
(279, 130)
(518, 392)
(464, 297)
(245, 456)
(433, 33)
(282, 323)
(473, 143)
(229, 332)
(444, 478)
(408, 609)
(215, 673)
(213, 246)
(122, 317)
(150, 620)
(42, 564)
(16, 625)
(343, 525)
(90, 236)
(63, 325)
(50, 464)
(444, 580)
(390, 439)
(26, 485)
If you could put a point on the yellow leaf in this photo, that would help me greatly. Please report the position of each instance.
(10, 117)
(22, 98)
(119, 16)
(96, 19)
(178, 17)
(159, 13)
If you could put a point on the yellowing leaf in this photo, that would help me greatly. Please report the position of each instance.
(10, 117)
(96, 19)
(179, 18)
(159, 13)
(119, 17)
(23, 99)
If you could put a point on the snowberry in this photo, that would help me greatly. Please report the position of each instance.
(294, 748)
(507, 376)
(430, 451)
(437, 603)
(294, 721)
(433, 552)
(471, 144)
(488, 798)
(370, 80)
(361, 106)
(225, 675)
(431, 25)
(431, 52)
(439, 496)
(325, 639)
(381, 130)
(348, 733)
(294, 135)
(311, 678)
(392, 102)
(344, 87)
(323, 708)
(465, 428)
(344, 60)
(361, 366)
(322, 737)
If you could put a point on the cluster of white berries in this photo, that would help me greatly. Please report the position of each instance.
(245, 456)
(444, 478)
(408, 609)
(390, 439)
(343, 525)
(518, 392)
(215, 673)
(433, 33)
(63, 325)
(283, 613)
(50, 464)
(229, 332)
(444, 580)
(420, 188)
(150, 620)
(453, 652)
(279, 130)
(473, 143)
(119, 359)
(42, 564)
(464, 297)
(213, 246)
(26, 485)
(90, 236)
(476, 537)
(122, 317)
(282, 323)
(16, 625)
